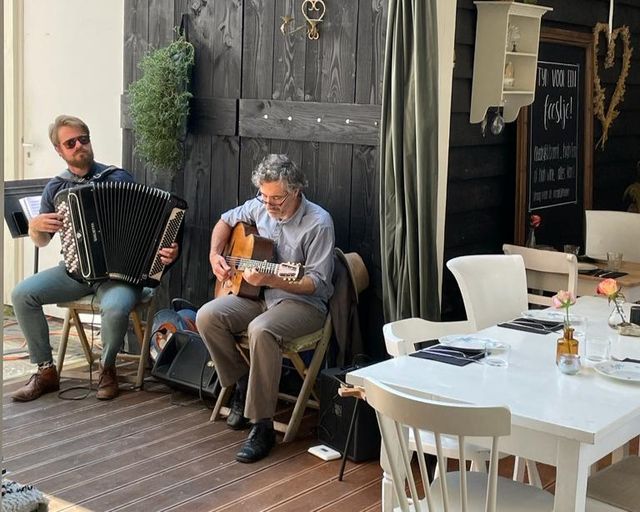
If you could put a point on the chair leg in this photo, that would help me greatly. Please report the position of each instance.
(532, 472)
(62, 349)
(144, 336)
(518, 469)
(84, 341)
(224, 395)
(305, 391)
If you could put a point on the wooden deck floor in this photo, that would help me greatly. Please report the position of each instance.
(157, 451)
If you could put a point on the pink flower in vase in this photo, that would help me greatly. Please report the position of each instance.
(563, 300)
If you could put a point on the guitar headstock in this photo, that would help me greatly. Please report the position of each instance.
(290, 271)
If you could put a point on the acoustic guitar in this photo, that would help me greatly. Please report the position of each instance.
(247, 249)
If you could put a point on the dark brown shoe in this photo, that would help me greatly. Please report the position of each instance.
(44, 381)
(107, 383)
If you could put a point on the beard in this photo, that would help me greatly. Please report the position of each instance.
(83, 158)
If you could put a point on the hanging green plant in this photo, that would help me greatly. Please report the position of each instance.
(159, 104)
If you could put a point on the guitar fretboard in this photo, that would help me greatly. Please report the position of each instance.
(265, 267)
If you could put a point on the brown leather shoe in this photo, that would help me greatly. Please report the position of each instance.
(45, 380)
(107, 383)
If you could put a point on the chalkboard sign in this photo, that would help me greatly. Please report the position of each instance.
(553, 130)
(555, 141)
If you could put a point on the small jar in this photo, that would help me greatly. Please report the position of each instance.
(569, 364)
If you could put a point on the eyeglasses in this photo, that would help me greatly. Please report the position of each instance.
(272, 200)
(71, 143)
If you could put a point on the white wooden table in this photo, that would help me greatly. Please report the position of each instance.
(569, 422)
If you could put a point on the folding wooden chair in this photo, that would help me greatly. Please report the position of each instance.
(141, 318)
(318, 339)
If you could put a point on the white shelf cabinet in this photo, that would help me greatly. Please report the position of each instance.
(494, 51)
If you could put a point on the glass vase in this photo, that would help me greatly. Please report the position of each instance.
(616, 318)
(531, 239)
(567, 344)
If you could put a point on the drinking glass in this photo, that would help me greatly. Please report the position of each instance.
(614, 261)
(580, 326)
(496, 353)
(598, 348)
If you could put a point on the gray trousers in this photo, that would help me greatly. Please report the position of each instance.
(54, 285)
(219, 320)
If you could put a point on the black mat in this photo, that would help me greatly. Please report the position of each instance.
(450, 355)
(599, 272)
(532, 325)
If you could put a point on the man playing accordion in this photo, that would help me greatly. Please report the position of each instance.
(71, 139)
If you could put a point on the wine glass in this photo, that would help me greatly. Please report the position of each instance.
(497, 125)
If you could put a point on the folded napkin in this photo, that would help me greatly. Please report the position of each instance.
(450, 355)
(534, 326)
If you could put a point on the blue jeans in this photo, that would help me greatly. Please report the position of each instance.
(54, 285)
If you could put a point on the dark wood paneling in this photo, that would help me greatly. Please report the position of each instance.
(346, 123)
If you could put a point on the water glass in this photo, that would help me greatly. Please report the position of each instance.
(571, 249)
(496, 353)
(580, 325)
(598, 348)
(614, 261)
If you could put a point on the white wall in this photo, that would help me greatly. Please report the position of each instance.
(67, 56)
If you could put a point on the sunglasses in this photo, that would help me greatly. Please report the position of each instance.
(71, 143)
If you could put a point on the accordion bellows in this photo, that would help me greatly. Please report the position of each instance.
(113, 230)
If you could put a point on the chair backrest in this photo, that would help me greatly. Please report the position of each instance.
(493, 287)
(612, 231)
(401, 336)
(399, 410)
(547, 271)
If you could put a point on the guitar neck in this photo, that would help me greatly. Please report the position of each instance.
(264, 267)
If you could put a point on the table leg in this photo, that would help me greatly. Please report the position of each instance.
(571, 478)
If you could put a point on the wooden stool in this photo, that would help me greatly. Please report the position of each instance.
(145, 308)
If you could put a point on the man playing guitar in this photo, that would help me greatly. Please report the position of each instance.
(302, 232)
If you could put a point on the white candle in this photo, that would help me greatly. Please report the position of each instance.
(610, 17)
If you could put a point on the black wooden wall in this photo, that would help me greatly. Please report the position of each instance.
(481, 188)
(257, 91)
(247, 69)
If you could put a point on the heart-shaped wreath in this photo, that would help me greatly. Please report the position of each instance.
(598, 92)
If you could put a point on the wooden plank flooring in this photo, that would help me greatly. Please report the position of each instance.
(154, 450)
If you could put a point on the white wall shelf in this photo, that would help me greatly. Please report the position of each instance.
(506, 57)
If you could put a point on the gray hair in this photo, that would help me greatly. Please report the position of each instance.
(65, 120)
(276, 168)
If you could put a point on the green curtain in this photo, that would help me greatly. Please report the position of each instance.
(409, 162)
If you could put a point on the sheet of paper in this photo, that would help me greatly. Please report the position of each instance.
(30, 205)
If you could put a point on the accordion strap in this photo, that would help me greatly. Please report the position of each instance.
(69, 176)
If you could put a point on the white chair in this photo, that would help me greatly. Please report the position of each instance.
(400, 338)
(398, 411)
(493, 287)
(612, 231)
(547, 271)
(615, 488)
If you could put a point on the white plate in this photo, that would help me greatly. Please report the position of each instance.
(553, 315)
(586, 266)
(465, 341)
(620, 370)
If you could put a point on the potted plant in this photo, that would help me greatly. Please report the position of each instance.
(159, 104)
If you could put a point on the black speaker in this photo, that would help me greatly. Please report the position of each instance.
(183, 363)
(335, 416)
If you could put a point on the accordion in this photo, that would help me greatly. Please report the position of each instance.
(113, 230)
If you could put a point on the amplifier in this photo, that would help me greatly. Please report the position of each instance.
(183, 364)
(335, 418)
